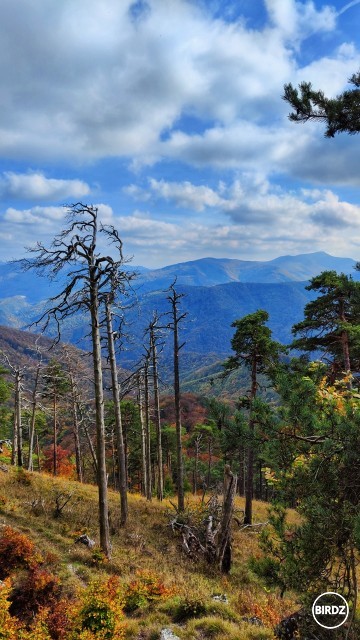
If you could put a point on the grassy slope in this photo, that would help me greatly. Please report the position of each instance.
(27, 504)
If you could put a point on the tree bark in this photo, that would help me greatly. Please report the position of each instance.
(33, 416)
(18, 417)
(118, 419)
(147, 431)
(143, 436)
(99, 414)
(160, 475)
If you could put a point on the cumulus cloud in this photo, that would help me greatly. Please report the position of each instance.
(35, 186)
(35, 215)
(297, 20)
(109, 78)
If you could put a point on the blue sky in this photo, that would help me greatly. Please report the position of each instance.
(168, 116)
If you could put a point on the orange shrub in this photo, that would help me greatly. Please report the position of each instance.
(147, 588)
(16, 551)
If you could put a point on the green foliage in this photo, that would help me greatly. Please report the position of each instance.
(331, 320)
(252, 344)
(317, 461)
(340, 114)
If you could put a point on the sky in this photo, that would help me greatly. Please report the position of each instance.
(168, 116)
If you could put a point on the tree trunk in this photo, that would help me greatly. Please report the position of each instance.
(118, 420)
(99, 416)
(160, 478)
(18, 418)
(223, 547)
(174, 299)
(33, 417)
(143, 436)
(250, 452)
(38, 453)
(147, 431)
(55, 434)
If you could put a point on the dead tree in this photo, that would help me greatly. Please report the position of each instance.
(207, 533)
(153, 340)
(34, 405)
(17, 439)
(147, 426)
(88, 276)
(117, 411)
(176, 317)
(140, 386)
(223, 547)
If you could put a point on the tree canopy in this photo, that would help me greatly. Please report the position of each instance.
(340, 114)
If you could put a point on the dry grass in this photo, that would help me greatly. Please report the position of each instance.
(27, 502)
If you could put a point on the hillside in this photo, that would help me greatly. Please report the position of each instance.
(147, 544)
(216, 292)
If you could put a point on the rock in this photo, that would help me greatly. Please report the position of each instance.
(220, 597)
(84, 539)
(167, 634)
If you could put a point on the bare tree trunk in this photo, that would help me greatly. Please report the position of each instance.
(55, 435)
(118, 420)
(92, 450)
(143, 435)
(223, 548)
(160, 475)
(147, 431)
(38, 453)
(15, 434)
(33, 416)
(99, 415)
(174, 299)
(18, 418)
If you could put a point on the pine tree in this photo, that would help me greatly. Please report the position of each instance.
(340, 114)
(254, 349)
(331, 320)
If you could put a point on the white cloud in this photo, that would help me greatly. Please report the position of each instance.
(297, 20)
(93, 79)
(35, 186)
(35, 215)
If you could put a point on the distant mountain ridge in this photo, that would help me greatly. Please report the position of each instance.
(209, 272)
(217, 292)
(204, 272)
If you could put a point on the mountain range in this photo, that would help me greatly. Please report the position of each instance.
(216, 292)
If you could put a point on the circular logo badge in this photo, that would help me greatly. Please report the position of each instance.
(330, 610)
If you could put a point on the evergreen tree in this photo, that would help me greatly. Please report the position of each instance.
(331, 320)
(340, 114)
(315, 460)
(254, 349)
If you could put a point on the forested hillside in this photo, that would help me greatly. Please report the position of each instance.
(187, 469)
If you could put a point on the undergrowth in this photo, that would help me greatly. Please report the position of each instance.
(56, 589)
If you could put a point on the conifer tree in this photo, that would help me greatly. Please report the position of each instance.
(340, 114)
(331, 320)
(255, 350)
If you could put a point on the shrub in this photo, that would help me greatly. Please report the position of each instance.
(16, 551)
(145, 589)
(189, 607)
(100, 612)
(38, 590)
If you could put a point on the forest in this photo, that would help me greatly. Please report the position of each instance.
(283, 441)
